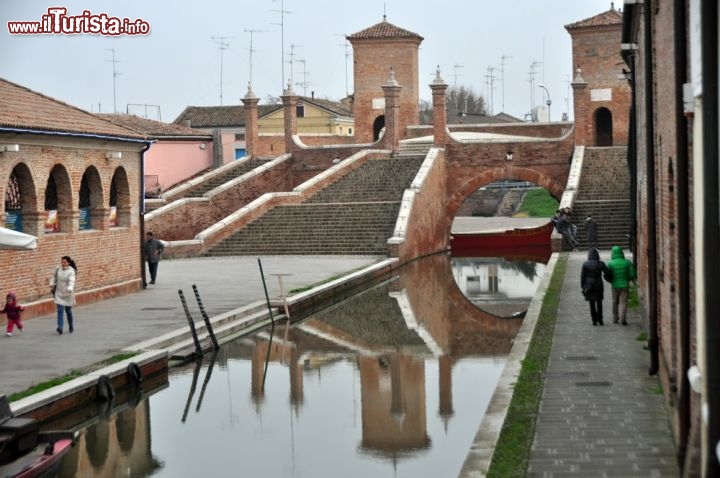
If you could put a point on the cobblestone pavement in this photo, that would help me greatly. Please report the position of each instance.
(601, 414)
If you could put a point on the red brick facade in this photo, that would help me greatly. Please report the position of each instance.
(376, 51)
(603, 118)
(678, 297)
(108, 257)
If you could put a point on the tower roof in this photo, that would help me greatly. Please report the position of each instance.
(606, 19)
(384, 29)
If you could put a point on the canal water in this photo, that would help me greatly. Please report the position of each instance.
(392, 382)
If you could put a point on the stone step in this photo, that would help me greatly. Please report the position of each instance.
(604, 195)
(214, 182)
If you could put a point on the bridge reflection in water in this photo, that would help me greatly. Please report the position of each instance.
(394, 381)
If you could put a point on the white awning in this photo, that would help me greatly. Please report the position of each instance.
(10, 239)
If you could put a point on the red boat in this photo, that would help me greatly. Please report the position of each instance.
(518, 237)
(26, 452)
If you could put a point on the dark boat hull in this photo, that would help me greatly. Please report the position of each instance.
(40, 461)
(535, 236)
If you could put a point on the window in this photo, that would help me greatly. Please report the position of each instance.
(239, 136)
(13, 205)
(84, 204)
(113, 220)
(300, 111)
(52, 224)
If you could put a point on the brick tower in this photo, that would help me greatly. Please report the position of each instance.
(377, 50)
(601, 95)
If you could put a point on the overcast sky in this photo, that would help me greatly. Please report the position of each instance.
(178, 63)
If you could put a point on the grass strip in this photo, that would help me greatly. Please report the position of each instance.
(41, 387)
(512, 452)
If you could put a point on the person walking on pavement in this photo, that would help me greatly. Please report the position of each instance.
(13, 311)
(152, 249)
(591, 230)
(62, 286)
(591, 281)
(623, 272)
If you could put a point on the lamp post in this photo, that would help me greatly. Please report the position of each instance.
(548, 102)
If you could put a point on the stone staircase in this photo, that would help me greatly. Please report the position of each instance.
(220, 179)
(604, 194)
(356, 215)
(510, 202)
(483, 203)
(413, 148)
(379, 180)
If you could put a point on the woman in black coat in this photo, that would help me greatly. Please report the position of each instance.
(591, 281)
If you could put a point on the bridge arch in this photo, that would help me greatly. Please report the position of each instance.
(487, 176)
(457, 197)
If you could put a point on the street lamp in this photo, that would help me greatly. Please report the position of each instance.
(548, 102)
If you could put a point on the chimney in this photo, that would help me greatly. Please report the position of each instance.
(187, 123)
(312, 95)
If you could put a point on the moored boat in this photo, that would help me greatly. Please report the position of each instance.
(25, 451)
(473, 240)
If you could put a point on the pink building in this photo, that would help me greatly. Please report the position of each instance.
(176, 154)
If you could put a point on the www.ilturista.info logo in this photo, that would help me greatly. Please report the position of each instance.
(58, 22)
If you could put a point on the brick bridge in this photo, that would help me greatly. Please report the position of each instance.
(457, 162)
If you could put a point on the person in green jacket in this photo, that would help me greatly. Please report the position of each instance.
(623, 272)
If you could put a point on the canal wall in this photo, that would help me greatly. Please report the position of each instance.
(483, 446)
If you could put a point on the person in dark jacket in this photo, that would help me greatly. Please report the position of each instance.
(565, 227)
(591, 230)
(591, 282)
(623, 272)
(152, 250)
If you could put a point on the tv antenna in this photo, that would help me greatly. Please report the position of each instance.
(455, 73)
(491, 77)
(346, 44)
(567, 98)
(292, 60)
(502, 76)
(115, 75)
(251, 32)
(532, 73)
(304, 83)
(282, 13)
(222, 46)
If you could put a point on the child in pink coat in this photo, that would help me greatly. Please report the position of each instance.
(12, 309)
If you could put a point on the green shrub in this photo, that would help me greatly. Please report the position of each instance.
(538, 203)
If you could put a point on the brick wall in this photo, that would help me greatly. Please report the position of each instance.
(472, 165)
(596, 52)
(666, 226)
(184, 219)
(372, 63)
(108, 258)
(427, 227)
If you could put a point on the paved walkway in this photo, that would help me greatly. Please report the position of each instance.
(601, 414)
(104, 328)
